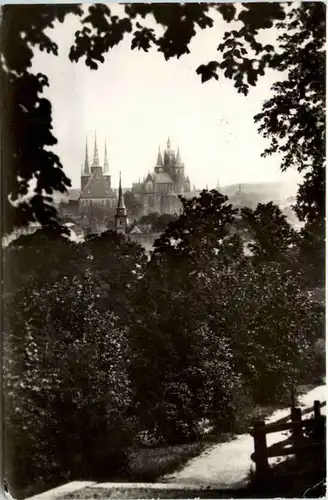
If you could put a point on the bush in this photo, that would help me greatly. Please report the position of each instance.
(66, 386)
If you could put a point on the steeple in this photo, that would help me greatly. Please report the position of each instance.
(106, 165)
(159, 158)
(95, 162)
(120, 204)
(86, 170)
(178, 156)
(168, 144)
(120, 216)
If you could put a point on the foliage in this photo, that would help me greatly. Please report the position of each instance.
(133, 205)
(202, 301)
(151, 218)
(157, 222)
(312, 252)
(66, 353)
(272, 325)
(295, 114)
(66, 389)
(116, 264)
(26, 123)
(181, 369)
(272, 237)
(294, 118)
(110, 344)
(203, 224)
(163, 221)
(44, 254)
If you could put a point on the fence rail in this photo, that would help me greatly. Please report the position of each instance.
(296, 444)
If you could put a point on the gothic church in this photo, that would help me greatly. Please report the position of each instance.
(159, 190)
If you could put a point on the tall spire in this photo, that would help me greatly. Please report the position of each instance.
(178, 156)
(95, 153)
(86, 170)
(120, 204)
(106, 165)
(121, 221)
(159, 158)
(168, 143)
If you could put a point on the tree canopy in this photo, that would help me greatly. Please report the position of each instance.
(293, 119)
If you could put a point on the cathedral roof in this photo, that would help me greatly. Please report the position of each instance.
(161, 178)
(98, 186)
(135, 230)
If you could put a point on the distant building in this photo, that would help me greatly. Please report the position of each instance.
(159, 190)
(96, 189)
(121, 220)
(96, 206)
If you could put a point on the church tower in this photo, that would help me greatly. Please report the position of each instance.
(95, 164)
(106, 164)
(86, 169)
(159, 163)
(121, 221)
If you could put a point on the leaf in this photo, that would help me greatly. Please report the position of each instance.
(208, 71)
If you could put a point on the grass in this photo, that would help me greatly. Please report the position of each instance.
(147, 465)
(94, 493)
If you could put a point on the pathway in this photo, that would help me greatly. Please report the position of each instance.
(227, 465)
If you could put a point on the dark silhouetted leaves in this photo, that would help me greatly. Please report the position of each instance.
(208, 71)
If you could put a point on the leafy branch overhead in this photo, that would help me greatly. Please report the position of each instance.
(178, 24)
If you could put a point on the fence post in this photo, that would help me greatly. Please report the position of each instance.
(260, 448)
(318, 432)
(316, 409)
(296, 415)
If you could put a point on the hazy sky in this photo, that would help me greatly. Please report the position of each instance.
(138, 99)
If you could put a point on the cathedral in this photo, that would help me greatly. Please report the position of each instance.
(96, 206)
(159, 190)
(96, 190)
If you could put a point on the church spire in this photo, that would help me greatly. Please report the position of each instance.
(95, 153)
(168, 144)
(106, 165)
(159, 158)
(178, 156)
(121, 221)
(120, 204)
(86, 170)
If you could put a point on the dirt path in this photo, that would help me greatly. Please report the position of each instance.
(228, 464)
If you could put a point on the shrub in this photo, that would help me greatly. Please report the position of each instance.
(65, 385)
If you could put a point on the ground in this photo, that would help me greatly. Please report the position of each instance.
(221, 471)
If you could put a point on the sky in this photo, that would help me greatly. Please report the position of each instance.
(137, 100)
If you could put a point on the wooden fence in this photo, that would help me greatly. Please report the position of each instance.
(296, 444)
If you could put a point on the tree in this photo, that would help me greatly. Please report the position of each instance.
(43, 256)
(210, 331)
(203, 225)
(116, 265)
(272, 239)
(133, 205)
(294, 118)
(66, 388)
(182, 370)
(151, 219)
(163, 221)
(295, 112)
(312, 255)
